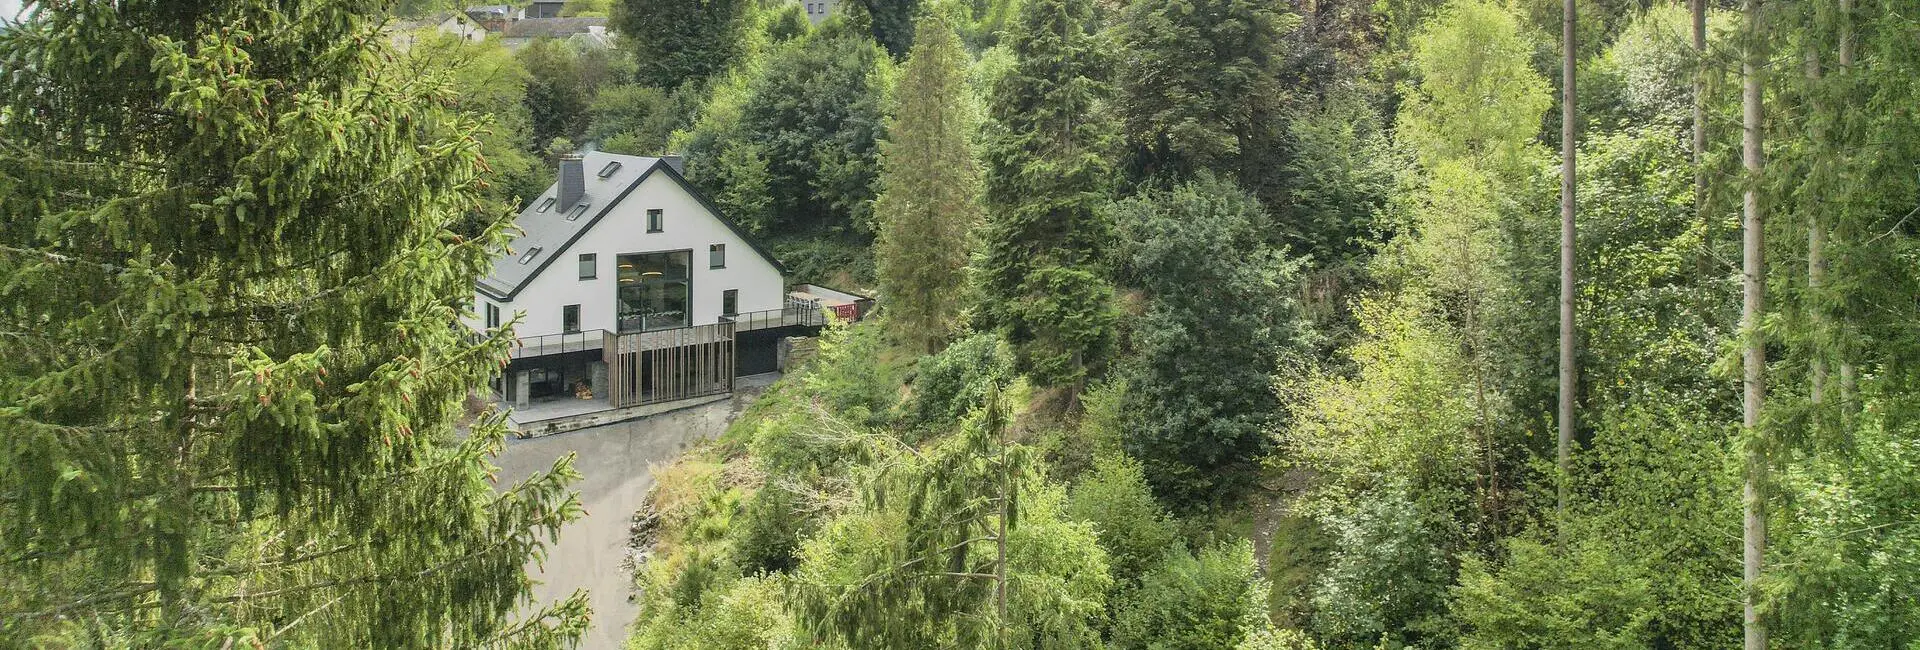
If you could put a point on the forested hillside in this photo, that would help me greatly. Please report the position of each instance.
(1237, 324)
(1227, 323)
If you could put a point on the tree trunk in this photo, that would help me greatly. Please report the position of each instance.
(1816, 251)
(1753, 267)
(1568, 113)
(1699, 8)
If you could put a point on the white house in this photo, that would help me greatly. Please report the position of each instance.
(819, 10)
(405, 33)
(632, 288)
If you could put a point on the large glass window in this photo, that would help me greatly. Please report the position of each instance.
(652, 291)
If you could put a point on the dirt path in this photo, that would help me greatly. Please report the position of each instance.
(615, 462)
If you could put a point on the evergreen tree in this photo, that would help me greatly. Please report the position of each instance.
(678, 42)
(1041, 273)
(930, 196)
(892, 23)
(1198, 85)
(234, 365)
(813, 113)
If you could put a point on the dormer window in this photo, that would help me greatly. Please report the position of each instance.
(546, 205)
(529, 255)
(609, 170)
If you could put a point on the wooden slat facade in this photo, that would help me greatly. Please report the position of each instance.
(668, 365)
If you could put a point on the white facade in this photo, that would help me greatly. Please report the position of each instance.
(686, 224)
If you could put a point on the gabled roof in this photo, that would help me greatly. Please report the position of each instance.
(553, 234)
(538, 27)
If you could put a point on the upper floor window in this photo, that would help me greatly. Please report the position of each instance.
(654, 220)
(589, 266)
(717, 256)
(730, 302)
(570, 318)
(493, 315)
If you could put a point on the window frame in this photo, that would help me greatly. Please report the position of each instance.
(721, 251)
(570, 313)
(730, 302)
(589, 266)
(656, 220)
(492, 315)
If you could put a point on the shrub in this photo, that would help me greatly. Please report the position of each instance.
(957, 380)
(1132, 527)
(1206, 602)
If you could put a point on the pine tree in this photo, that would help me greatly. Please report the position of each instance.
(1041, 274)
(929, 201)
(234, 369)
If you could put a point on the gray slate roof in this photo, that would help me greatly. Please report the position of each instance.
(554, 27)
(553, 234)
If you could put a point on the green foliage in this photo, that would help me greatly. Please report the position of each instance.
(491, 85)
(957, 380)
(1198, 82)
(1047, 178)
(1133, 528)
(929, 201)
(679, 42)
(1201, 380)
(234, 367)
(1340, 176)
(637, 120)
(1390, 570)
(804, 122)
(562, 81)
(892, 23)
(1195, 602)
(850, 376)
(1478, 99)
(1589, 596)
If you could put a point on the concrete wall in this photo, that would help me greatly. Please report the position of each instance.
(686, 225)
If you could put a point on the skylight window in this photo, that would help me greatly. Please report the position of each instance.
(546, 205)
(577, 211)
(530, 254)
(610, 169)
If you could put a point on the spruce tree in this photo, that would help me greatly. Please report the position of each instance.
(233, 368)
(930, 196)
(1042, 273)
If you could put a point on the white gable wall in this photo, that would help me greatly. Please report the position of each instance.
(686, 225)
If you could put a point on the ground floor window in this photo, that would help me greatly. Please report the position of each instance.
(653, 290)
(730, 302)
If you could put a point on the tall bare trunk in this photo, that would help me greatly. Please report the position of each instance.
(1699, 8)
(1753, 273)
(1568, 113)
(1816, 249)
(1847, 374)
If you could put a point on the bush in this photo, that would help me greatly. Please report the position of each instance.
(1389, 575)
(1207, 602)
(1131, 526)
(1589, 597)
(956, 381)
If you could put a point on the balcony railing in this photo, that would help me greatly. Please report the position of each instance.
(796, 312)
(538, 346)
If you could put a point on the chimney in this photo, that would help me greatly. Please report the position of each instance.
(573, 180)
(678, 164)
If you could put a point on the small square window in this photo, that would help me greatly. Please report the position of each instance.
(717, 256)
(493, 315)
(654, 220)
(589, 266)
(730, 302)
(570, 318)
